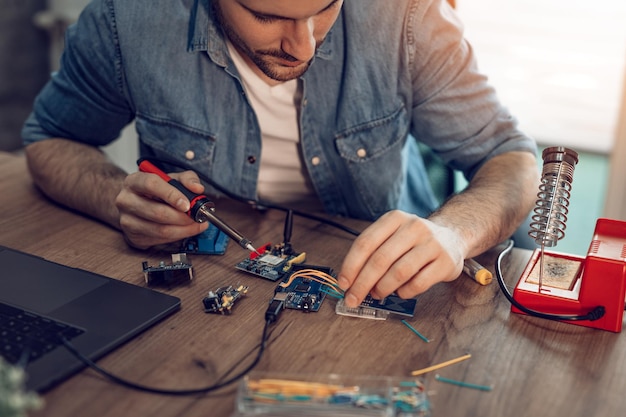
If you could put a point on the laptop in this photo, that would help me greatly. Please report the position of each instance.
(94, 313)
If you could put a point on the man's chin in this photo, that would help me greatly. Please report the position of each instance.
(284, 73)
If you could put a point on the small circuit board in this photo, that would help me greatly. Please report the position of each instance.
(179, 271)
(210, 242)
(274, 262)
(222, 300)
(374, 309)
(303, 294)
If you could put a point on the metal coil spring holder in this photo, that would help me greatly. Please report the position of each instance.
(551, 208)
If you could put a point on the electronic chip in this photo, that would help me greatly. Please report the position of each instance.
(270, 259)
(303, 294)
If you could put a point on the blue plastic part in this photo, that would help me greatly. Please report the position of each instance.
(210, 242)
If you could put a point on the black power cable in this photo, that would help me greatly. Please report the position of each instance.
(164, 391)
(594, 314)
(271, 314)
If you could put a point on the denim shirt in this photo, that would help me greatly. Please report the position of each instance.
(384, 77)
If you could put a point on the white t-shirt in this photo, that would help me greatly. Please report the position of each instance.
(283, 178)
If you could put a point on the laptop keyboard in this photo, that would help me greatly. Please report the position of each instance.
(25, 337)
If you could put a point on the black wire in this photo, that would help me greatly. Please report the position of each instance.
(287, 235)
(258, 203)
(202, 390)
(594, 314)
(163, 391)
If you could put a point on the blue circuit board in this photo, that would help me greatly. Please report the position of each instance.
(371, 308)
(303, 294)
(392, 304)
(273, 263)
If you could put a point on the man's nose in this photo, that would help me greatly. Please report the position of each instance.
(299, 40)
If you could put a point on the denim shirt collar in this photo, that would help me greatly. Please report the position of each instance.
(205, 35)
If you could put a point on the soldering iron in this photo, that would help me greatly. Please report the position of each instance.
(201, 209)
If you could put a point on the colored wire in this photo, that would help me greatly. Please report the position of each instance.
(330, 286)
(414, 330)
(441, 365)
(594, 314)
(332, 293)
(314, 275)
(463, 383)
(163, 391)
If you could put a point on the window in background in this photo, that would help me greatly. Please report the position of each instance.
(558, 65)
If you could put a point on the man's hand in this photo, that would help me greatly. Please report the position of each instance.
(404, 253)
(153, 212)
(400, 253)
(145, 207)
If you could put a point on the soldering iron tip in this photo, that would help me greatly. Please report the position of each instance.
(252, 249)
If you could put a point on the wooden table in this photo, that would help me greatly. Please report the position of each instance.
(536, 367)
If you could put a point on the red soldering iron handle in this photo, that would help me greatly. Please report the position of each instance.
(196, 201)
(147, 166)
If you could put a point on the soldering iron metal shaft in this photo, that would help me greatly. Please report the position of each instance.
(209, 213)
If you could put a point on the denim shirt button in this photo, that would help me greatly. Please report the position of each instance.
(315, 160)
(361, 153)
(190, 155)
(252, 159)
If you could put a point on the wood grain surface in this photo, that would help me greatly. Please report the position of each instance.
(536, 367)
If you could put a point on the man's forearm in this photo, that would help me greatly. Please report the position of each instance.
(78, 176)
(497, 200)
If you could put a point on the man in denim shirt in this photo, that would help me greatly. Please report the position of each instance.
(334, 90)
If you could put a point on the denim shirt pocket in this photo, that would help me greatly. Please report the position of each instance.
(177, 145)
(372, 153)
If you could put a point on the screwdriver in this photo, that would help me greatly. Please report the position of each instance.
(201, 209)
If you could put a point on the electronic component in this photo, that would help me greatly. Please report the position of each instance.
(273, 263)
(374, 309)
(303, 293)
(210, 242)
(179, 271)
(222, 299)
